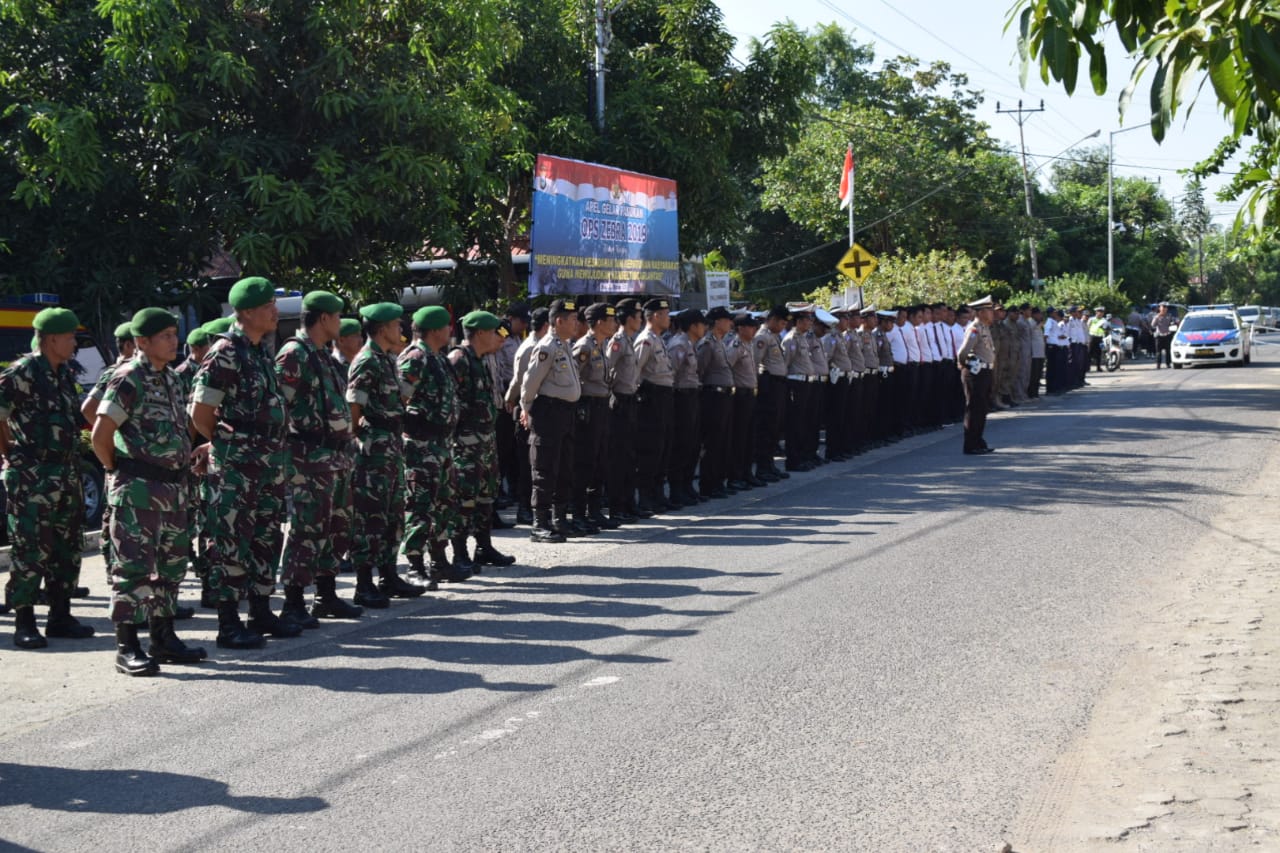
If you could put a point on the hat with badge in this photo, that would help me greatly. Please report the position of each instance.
(1100, 309)
(481, 320)
(627, 307)
(382, 312)
(252, 292)
(55, 321)
(539, 318)
(984, 302)
(718, 313)
(692, 317)
(431, 317)
(348, 327)
(197, 337)
(746, 319)
(518, 311)
(124, 332)
(887, 315)
(323, 301)
(599, 311)
(800, 309)
(869, 310)
(658, 303)
(151, 321)
(560, 307)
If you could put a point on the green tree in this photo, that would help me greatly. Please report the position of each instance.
(1231, 44)
(1194, 219)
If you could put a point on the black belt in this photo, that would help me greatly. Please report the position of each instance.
(649, 388)
(327, 440)
(391, 424)
(688, 390)
(555, 400)
(41, 457)
(624, 398)
(262, 430)
(147, 471)
(718, 389)
(426, 430)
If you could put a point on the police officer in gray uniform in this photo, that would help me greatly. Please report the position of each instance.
(838, 370)
(590, 462)
(772, 400)
(547, 401)
(717, 403)
(818, 378)
(976, 358)
(742, 422)
(620, 355)
(850, 325)
(538, 322)
(795, 352)
(686, 432)
(653, 436)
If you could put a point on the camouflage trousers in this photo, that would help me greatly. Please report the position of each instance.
(432, 483)
(377, 521)
(309, 549)
(198, 550)
(245, 509)
(340, 524)
(105, 546)
(476, 458)
(149, 550)
(45, 507)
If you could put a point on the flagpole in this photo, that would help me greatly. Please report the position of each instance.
(852, 176)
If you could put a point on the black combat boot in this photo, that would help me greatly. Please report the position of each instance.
(560, 522)
(582, 520)
(232, 634)
(462, 563)
(295, 609)
(60, 622)
(441, 569)
(645, 507)
(129, 657)
(165, 646)
(327, 605)
(26, 633)
(595, 512)
(417, 570)
(392, 585)
(367, 594)
(263, 621)
(488, 555)
(543, 531)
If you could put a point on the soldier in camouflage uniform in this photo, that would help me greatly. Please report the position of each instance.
(323, 451)
(198, 344)
(204, 492)
(376, 398)
(39, 438)
(142, 435)
(431, 414)
(347, 347)
(236, 403)
(89, 408)
(475, 451)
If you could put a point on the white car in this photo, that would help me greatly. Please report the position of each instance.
(1212, 335)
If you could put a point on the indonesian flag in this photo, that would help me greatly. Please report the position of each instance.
(846, 180)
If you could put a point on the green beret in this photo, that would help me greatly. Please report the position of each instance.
(55, 321)
(124, 332)
(382, 312)
(430, 318)
(252, 292)
(150, 321)
(198, 337)
(480, 320)
(323, 301)
(349, 326)
(220, 326)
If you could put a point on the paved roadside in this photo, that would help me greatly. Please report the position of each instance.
(1182, 752)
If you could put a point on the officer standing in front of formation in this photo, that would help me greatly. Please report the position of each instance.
(475, 449)
(142, 436)
(523, 490)
(237, 405)
(716, 376)
(548, 403)
(654, 399)
(773, 386)
(974, 358)
(376, 398)
(322, 447)
(39, 436)
(591, 454)
(430, 420)
(795, 354)
(621, 358)
(686, 408)
(746, 378)
(1099, 328)
(1162, 329)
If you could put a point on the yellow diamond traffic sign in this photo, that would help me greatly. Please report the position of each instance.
(857, 263)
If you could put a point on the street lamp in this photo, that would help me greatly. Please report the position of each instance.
(1111, 216)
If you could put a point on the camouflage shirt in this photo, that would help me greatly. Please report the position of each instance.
(100, 387)
(374, 385)
(239, 380)
(42, 410)
(149, 408)
(186, 373)
(319, 417)
(477, 413)
(433, 398)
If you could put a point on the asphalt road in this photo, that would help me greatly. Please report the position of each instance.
(880, 655)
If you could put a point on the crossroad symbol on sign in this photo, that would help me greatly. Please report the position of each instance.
(857, 263)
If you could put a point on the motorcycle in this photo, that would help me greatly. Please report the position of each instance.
(1117, 347)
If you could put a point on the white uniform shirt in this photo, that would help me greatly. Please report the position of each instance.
(897, 344)
(926, 349)
(911, 342)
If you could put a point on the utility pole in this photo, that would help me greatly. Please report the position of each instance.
(1022, 116)
(604, 36)
(1111, 211)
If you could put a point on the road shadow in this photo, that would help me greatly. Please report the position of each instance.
(132, 792)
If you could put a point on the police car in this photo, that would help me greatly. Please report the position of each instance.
(1212, 334)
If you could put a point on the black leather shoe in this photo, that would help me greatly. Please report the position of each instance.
(26, 633)
(394, 586)
(332, 607)
(62, 624)
(487, 555)
(167, 647)
(367, 595)
(603, 522)
(571, 529)
(546, 535)
(263, 621)
(129, 657)
(232, 634)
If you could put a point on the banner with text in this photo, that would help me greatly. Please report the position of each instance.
(602, 230)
